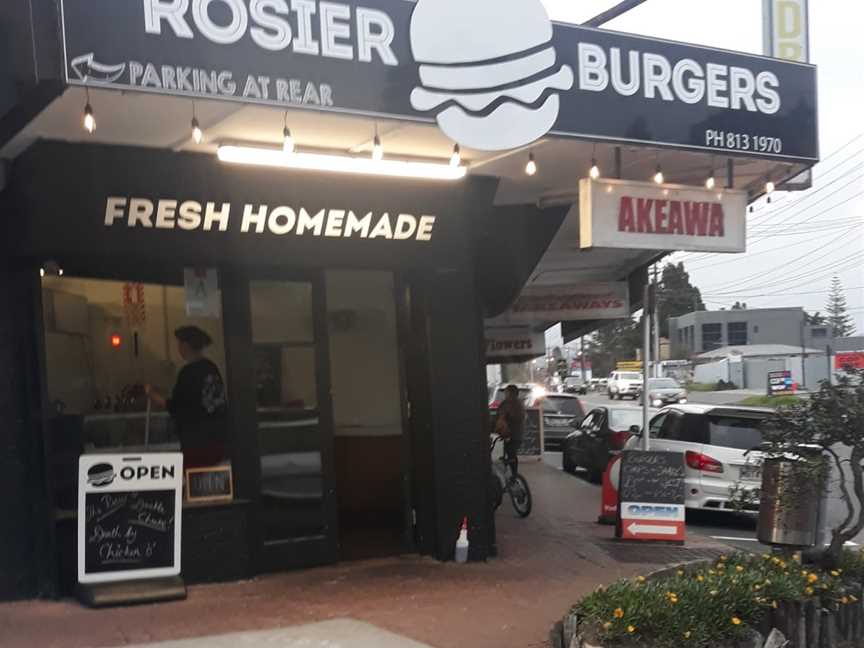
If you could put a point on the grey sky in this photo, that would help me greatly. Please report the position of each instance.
(786, 256)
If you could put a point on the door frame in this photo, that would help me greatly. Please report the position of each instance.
(302, 552)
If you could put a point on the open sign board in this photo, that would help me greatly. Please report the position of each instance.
(129, 515)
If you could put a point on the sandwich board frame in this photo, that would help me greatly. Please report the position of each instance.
(124, 475)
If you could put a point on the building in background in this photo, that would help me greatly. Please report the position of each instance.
(702, 331)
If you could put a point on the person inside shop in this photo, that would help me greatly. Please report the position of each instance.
(510, 424)
(198, 404)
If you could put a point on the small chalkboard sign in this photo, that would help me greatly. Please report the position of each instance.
(129, 516)
(651, 496)
(652, 477)
(532, 439)
(212, 484)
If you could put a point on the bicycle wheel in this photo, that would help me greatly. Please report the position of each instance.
(520, 495)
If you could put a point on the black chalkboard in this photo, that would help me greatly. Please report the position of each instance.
(129, 531)
(531, 439)
(652, 477)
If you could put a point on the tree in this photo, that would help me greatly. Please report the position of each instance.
(816, 319)
(838, 317)
(832, 419)
(676, 296)
(612, 343)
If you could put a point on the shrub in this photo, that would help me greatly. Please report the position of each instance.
(771, 401)
(711, 604)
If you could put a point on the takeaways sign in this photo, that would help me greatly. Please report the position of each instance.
(571, 303)
(642, 215)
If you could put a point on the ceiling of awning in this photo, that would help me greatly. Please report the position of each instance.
(164, 122)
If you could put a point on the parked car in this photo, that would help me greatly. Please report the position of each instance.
(624, 383)
(528, 392)
(559, 410)
(720, 445)
(665, 391)
(600, 435)
(575, 385)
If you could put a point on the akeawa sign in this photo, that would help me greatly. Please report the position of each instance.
(642, 215)
(469, 66)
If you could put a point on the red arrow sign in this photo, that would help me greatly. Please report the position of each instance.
(652, 530)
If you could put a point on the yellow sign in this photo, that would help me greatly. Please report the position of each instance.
(630, 365)
(786, 30)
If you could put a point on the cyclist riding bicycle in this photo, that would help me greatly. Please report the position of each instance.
(510, 425)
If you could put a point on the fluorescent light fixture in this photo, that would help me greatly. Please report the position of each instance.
(339, 163)
(595, 170)
(710, 182)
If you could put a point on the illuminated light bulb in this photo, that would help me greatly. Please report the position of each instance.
(287, 141)
(197, 133)
(59, 272)
(89, 119)
(658, 176)
(377, 149)
(595, 170)
(41, 272)
(769, 187)
(531, 167)
(456, 158)
(710, 182)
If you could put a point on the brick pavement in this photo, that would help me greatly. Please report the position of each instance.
(546, 562)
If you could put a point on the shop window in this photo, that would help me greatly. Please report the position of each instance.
(737, 332)
(104, 342)
(712, 336)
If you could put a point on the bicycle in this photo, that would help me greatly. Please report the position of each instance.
(515, 485)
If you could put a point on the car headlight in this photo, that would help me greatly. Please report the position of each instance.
(656, 402)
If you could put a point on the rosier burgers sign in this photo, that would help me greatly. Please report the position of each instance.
(642, 215)
(493, 75)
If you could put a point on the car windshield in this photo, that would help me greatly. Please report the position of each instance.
(558, 405)
(663, 383)
(631, 375)
(732, 432)
(620, 420)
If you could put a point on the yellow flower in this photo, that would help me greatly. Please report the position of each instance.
(631, 629)
(767, 582)
(808, 591)
(641, 579)
(757, 587)
(844, 600)
(618, 613)
(700, 578)
(775, 560)
(722, 558)
(835, 573)
(687, 635)
(713, 592)
(812, 578)
(736, 621)
(852, 598)
(803, 572)
(766, 556)
(774, 604)
(607, 625)
(680, 572)
(739, 569)
(711, 572)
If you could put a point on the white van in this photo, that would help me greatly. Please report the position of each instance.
(624, 383)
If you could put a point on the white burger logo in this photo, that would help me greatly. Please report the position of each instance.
(100, 475)
(489, 69)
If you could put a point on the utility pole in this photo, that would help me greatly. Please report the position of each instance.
(803, 357)
(582, 357)
(647, 312)
(656, 354)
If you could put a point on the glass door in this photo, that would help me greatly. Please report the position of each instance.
(296, 511)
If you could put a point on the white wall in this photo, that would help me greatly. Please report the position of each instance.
(364, 353)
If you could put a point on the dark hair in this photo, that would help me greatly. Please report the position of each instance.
(512, 389)
(194, 337)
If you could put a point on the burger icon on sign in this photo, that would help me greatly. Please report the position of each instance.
(101, 474)
(489, 70)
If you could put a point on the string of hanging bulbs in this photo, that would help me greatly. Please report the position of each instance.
(531, 167)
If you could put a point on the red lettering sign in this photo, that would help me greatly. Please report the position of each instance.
(679, 217)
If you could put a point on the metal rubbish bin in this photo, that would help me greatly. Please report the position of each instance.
(789, 500)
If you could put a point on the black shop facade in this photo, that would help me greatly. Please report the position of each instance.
(346, 320)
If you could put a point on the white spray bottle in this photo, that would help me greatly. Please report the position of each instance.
(462, 543)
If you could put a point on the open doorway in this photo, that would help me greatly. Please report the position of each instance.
(367, 411)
